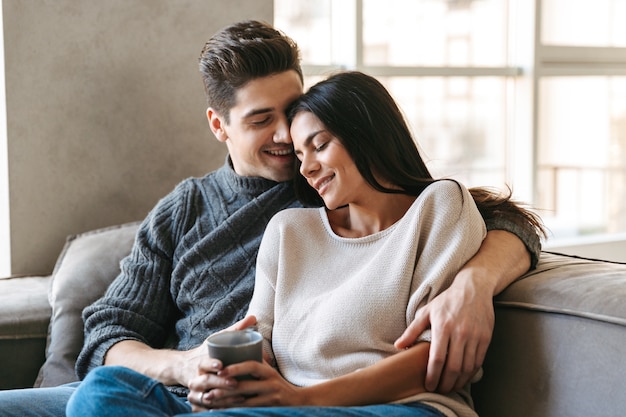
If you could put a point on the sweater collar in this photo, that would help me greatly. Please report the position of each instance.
(247, 185)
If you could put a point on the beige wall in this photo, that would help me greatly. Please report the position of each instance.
(105, 112)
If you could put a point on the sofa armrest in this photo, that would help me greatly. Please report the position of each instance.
(558, 342)
(24, 317)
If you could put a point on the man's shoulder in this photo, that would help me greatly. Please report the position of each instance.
(212, 179)
(183, 193)
(184, 189)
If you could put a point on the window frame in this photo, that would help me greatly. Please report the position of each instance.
(541, 60)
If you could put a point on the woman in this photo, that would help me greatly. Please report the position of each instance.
(337, 285)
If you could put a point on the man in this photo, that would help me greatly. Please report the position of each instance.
(191, 270)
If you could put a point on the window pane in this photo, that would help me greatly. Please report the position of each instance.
(584, 23)
(325, 31)
(309, 24)
(459, 124)
(435, 32)
(582, 154)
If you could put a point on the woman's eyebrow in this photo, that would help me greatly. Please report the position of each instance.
(311, 136)
(308, 140)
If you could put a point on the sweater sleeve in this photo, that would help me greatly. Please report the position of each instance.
(523, 230)
(138, 305)
(264, 296)
(450, 231)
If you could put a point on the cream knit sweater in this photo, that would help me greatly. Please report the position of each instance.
(329, 305)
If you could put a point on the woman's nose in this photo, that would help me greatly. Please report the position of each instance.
(307, 166)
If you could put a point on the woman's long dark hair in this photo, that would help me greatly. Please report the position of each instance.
(358, 110)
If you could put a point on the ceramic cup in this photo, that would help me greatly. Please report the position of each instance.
(236, 346)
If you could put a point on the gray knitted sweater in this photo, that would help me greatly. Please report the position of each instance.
(191, 270)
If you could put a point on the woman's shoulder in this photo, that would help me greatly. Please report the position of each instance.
(444, 188)
(296, 214)
(444, 196)
(293, 221)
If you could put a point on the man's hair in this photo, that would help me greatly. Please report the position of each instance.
(240, 53)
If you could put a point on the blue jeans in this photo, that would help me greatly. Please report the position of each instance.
(380, 410)
(118, 391)
(36, 402)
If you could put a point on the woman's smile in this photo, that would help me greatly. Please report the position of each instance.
(321, 184)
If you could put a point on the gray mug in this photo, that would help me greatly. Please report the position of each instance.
(236, 346)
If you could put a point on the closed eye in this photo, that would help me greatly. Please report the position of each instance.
(261, 122)
(321, 147)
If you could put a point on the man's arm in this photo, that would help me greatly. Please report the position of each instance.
(171, 367)
(462, 317)
(118, 329)
(168, 366)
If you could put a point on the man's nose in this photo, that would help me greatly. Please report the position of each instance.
(281, 135)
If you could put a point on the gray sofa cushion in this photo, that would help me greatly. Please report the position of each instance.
(85, 268)
(570, 285)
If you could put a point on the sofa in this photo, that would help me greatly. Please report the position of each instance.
(558, 348)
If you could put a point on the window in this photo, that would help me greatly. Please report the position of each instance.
(498, 92)
(581, 119)
(5, 236)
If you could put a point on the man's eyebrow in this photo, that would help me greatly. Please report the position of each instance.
(254, 112)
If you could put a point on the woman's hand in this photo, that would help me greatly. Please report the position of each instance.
(215, 387)
(188, 362)
(244, 323)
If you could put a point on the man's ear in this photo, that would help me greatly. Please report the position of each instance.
(217, 124)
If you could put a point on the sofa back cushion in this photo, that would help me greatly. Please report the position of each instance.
(84, 270)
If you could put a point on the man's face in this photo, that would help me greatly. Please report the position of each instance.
(257, 135)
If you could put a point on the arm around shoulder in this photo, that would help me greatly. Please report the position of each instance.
(503, 214)
(462, 317)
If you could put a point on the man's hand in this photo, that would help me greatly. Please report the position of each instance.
(461, 322)
(171, 367)
(462, 317)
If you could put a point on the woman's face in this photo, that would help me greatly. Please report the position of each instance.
(325, 163)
